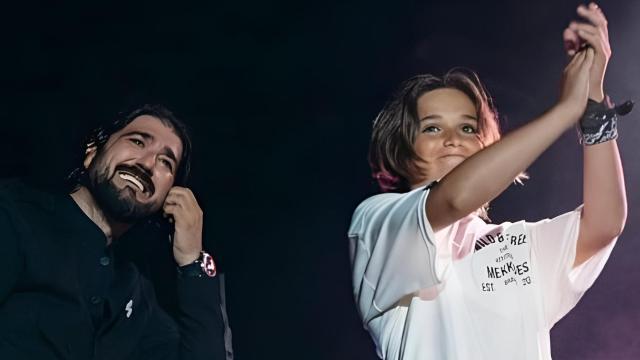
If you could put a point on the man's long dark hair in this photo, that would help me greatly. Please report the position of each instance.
(100, 135)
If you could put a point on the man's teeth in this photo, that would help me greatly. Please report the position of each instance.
(133, 180)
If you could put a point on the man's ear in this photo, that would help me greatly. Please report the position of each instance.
(89, 155)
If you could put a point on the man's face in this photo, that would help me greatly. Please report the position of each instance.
(132, 174)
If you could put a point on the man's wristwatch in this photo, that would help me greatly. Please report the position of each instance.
(201, 267)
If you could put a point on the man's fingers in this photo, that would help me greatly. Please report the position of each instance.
(178, 188)
(183, 200)
(171, 209)
(182, 205)
(179, 202)
(173, 197)
(179, 191)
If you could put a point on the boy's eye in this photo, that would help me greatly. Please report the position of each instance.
(137, 142)
(469, 129)
(431, 129)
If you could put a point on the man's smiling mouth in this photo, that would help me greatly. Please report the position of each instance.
(132, 179)
(139, 181)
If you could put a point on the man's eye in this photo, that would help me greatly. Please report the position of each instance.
(469, 129)
(431, 129)
(137, 142)
(167, 163)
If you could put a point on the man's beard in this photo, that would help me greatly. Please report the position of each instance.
(117, 204)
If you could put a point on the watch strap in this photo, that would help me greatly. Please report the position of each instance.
(203, 266)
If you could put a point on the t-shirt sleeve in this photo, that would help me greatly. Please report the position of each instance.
(391, 249)
(554, 251)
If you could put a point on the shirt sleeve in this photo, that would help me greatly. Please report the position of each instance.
(193, 304)
(200, 319)
(553, 252)
(391, 249)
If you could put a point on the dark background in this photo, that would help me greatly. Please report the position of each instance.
(281, 96)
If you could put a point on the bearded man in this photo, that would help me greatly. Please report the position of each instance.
(83, 275)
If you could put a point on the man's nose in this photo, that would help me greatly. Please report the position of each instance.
(147, 162)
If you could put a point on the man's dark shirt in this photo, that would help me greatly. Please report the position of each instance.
(65, 294)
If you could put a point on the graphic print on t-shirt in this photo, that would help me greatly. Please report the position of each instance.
(502, 260)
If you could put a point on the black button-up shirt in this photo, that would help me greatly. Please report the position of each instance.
(65, 294)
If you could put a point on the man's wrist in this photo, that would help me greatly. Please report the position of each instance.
(185, 258)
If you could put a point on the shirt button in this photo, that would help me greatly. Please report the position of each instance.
(104, 261)
(95, 300)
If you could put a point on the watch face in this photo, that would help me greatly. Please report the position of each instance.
(208, 266)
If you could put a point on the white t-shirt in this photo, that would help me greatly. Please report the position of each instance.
(471, 291)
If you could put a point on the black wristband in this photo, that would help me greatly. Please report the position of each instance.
(599, 123)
